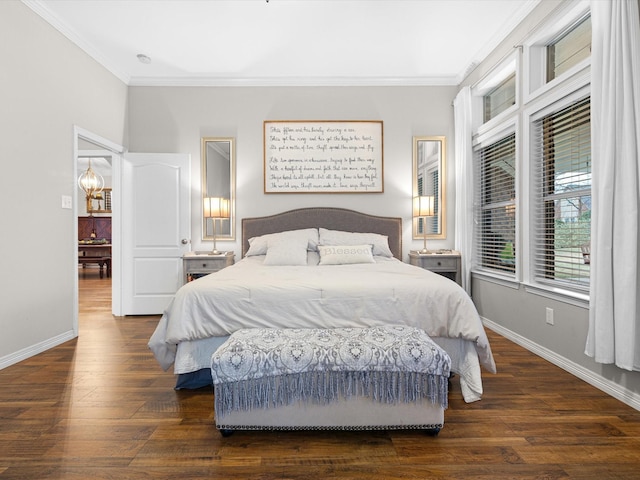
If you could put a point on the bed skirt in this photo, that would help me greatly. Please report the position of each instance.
(193, 364)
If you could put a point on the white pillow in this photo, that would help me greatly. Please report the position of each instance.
(336, 237)
(345, 254)
(259, 245)
(286, 250)
(313, 259)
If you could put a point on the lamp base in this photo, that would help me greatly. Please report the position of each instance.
(424, 251)
(216, 252)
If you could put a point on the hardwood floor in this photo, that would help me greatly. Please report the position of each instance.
(99, 407)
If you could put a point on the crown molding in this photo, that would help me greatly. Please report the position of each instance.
(292, 81)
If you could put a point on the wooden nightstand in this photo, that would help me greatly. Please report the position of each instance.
(198, 264)
(447, 263)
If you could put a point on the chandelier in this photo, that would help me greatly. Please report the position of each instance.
(91, 182)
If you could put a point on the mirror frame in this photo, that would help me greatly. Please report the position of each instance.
(228, 225)
(441, 202)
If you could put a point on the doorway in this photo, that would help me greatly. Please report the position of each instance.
(94, 232)
(106, 158)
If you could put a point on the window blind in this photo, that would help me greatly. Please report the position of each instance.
(562, 191)
(495, 200)
(431, 187)
(500, 98)
(570, 49)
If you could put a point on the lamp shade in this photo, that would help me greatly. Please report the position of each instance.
(424, 206)
(216, 207)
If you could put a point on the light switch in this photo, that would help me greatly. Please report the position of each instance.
(67, 201)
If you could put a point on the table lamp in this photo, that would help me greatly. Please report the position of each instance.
(423, 207)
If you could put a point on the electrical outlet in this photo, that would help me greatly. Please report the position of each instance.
(67, 201)
(549, 316)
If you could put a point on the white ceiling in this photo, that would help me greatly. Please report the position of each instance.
(286, 42)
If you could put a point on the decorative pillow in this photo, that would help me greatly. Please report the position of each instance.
(336, 237)
(258, 245)
(286, 250)
(345, 254)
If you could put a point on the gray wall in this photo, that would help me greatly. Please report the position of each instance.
(47, 85)
(173, 119)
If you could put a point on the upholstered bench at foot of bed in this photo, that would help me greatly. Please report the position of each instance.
(391, 377)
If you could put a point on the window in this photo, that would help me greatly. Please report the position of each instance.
(431, 187)
(562, 190)
(500, 98)
(569, 50)
(541, 240)
(495, 198)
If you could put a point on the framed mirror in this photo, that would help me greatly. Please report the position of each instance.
(218, 160)
(429, 179)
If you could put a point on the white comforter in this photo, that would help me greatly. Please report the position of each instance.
(250, 294)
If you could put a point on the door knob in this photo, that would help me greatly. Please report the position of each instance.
(185, 241)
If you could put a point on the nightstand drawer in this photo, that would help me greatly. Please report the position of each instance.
(197, 265)
(444, 263)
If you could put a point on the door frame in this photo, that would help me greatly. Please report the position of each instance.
(116, 152)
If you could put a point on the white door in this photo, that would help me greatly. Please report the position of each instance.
(156, 219)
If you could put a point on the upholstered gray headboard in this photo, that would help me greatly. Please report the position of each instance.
(325, 217)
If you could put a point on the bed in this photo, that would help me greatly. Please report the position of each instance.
(291, 277)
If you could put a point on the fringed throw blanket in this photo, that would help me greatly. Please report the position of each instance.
(267, 367)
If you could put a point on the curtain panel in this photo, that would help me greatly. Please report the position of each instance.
(614, 315)
(464, 183)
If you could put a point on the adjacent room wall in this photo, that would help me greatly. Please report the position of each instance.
(47, 85)
(173, 119)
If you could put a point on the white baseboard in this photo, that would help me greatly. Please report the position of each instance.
(28, 352)
(611, 388)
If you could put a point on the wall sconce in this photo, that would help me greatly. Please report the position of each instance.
(215, 208)
(92, 184)
(423, 207)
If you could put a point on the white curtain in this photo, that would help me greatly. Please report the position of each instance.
(614, 316)
(464, 183)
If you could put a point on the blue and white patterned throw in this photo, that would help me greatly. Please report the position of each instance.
(266, 367)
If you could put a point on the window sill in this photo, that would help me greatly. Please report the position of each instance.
(496, 278)
(566, 296)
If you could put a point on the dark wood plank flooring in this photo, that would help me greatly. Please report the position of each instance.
(99, 407)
